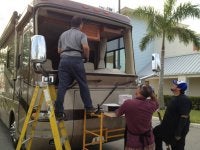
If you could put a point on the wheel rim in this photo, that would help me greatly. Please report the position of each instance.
(13, 132)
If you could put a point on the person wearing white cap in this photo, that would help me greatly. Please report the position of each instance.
(176, 121)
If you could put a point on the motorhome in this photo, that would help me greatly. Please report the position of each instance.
(110, 70)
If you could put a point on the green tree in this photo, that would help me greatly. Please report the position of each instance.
(166, 25)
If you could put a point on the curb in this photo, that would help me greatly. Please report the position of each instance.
(193, 125)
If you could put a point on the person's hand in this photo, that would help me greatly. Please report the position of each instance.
(85, 60)
(177, 138)
(153, 97)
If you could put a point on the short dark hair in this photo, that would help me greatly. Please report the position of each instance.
(76, 21)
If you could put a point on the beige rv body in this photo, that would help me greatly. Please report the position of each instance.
(50, 18)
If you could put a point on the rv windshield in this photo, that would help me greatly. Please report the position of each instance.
(110, 43)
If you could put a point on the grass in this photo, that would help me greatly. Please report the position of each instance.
(194, 115)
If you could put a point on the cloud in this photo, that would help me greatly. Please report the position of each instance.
(7, 8)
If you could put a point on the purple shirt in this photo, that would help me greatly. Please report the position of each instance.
(138, 113)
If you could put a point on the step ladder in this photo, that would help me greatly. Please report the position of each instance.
(58, 129)
(96, 133)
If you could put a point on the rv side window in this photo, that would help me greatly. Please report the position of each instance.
(26, 45)
(26, 48)
(115, 54)
(10, 54)
(3, 56)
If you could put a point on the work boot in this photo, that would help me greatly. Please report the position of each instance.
(60, 116)
(90, 110)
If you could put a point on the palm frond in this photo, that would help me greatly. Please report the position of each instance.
(196, 42)
(186, 10)
(186, 36)
(146, 39)
(146, 13)
(168, 7)
(170, 36)
(157, 24)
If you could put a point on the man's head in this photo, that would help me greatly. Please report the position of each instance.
(76, 22)
(144, 90)
(179, 87)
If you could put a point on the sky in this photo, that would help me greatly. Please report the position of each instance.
(8, 6)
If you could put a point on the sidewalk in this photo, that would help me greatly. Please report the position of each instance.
(192, 140)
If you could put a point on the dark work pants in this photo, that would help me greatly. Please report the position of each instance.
(160, 136)
(70, 69)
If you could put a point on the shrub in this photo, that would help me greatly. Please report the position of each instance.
(195, 101)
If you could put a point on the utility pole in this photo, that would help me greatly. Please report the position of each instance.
(119, 6)
(118, 56)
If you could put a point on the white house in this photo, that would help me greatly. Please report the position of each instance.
(182, 62)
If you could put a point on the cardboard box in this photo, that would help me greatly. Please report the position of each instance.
(123, 98)
(110, 107)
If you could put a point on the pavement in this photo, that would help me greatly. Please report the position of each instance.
(5, 141)
(192, 139)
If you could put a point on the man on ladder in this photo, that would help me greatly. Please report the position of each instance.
(71, 45)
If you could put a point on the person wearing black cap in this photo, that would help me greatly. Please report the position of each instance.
(176, 121)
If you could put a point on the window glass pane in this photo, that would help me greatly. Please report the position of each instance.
(25, 53)
(11, 58)
(115, 56)
(115, 44)
(109, 60)
(26, 48)
(3, 54)
(9, 50)
(122, 60)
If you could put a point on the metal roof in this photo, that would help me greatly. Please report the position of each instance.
(179, 65)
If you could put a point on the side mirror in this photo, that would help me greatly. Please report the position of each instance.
(38, 49)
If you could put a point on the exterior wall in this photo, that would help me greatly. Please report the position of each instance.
(142, 58)
(175, 48)
(166, 88)
(193, 86)
(154, 84)
(193, 89)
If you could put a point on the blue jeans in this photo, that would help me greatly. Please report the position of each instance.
(70, 69)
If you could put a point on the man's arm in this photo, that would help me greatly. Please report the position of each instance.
(85, 46)
(59, 46)
(121, 110)
(182, 122)
(59, 50)
(184, 111)
(86, 51)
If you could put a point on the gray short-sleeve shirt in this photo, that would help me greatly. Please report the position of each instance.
(72, 38)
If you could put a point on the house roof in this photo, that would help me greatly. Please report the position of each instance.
(179, 65)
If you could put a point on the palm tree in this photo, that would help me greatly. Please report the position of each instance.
(167, 26)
